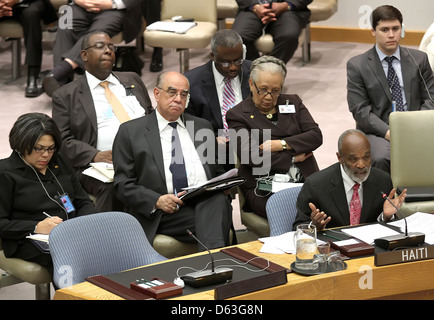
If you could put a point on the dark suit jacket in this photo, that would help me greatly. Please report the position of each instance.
(298, 129)
(74, 114)
(204, 102)
(325, 189)
(139, 168)
(369, 97)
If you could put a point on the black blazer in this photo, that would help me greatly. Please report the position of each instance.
(204, 102)
(325, 189)
(298, 129)
(139, 167)
(22, 198)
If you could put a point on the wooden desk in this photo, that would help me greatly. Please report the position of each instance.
(412, 280)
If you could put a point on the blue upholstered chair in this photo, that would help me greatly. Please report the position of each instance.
(281, 210)
(101, 243)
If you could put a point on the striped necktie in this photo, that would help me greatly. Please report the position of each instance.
(228, 101)
(118, 108)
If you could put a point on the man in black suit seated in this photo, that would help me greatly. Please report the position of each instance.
(158, 155)
(208, 83)
(347, 192)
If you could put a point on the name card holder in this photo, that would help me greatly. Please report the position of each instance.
(353, 247)
(404, 255)
(156, 288)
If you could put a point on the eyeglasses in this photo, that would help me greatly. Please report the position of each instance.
(172, 92)
(102, 46)
(42, 150)
(227, 64)
(263, 92)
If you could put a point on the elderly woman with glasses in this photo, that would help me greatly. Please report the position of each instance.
(273, 132)
(38, 190)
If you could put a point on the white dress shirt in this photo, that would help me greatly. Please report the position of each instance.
(193, 165)
(108, 123)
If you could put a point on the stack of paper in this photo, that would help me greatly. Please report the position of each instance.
(170, 26)
(418, 222)
(102, 171)
(39, 237)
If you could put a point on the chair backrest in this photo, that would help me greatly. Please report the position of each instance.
(411, 148)
(203, 10)
(281, 210)
(101, 243)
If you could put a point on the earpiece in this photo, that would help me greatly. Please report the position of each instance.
(403, 30)
(244, 51)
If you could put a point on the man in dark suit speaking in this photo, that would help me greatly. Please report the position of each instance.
(88, 122)
(348, 192)
(384, 79)
(158, 155)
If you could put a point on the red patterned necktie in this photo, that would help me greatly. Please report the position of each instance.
(228, 101)
(355, 206)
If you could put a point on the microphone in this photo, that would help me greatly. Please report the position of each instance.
(206, 277)
(195, 238)
(401, 240)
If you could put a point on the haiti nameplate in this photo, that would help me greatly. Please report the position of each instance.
(404, 255)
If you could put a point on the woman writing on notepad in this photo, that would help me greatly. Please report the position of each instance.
(38, 189)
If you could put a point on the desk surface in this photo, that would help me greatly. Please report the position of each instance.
(361, 280)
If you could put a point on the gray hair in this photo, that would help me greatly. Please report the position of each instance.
(267, 64)
(162, 76)
(348, 132)
(227, 38)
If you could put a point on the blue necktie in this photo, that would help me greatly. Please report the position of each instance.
(177, 165)
(395, 88)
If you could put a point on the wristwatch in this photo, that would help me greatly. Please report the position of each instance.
(114, 5)
(284, 145)
(289, 6)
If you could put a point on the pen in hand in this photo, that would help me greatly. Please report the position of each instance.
(47, 214)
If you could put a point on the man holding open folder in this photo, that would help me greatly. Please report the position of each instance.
(155, 157)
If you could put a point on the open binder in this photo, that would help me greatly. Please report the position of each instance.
(222, 182)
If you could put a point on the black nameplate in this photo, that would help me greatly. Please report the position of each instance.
(404, 255)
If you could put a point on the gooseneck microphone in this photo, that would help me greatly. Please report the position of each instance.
(206, 277)
(397, 210)
(401, 240)
(195, 238)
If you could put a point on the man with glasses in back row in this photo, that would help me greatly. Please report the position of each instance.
(220, 84)
(88, 116)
